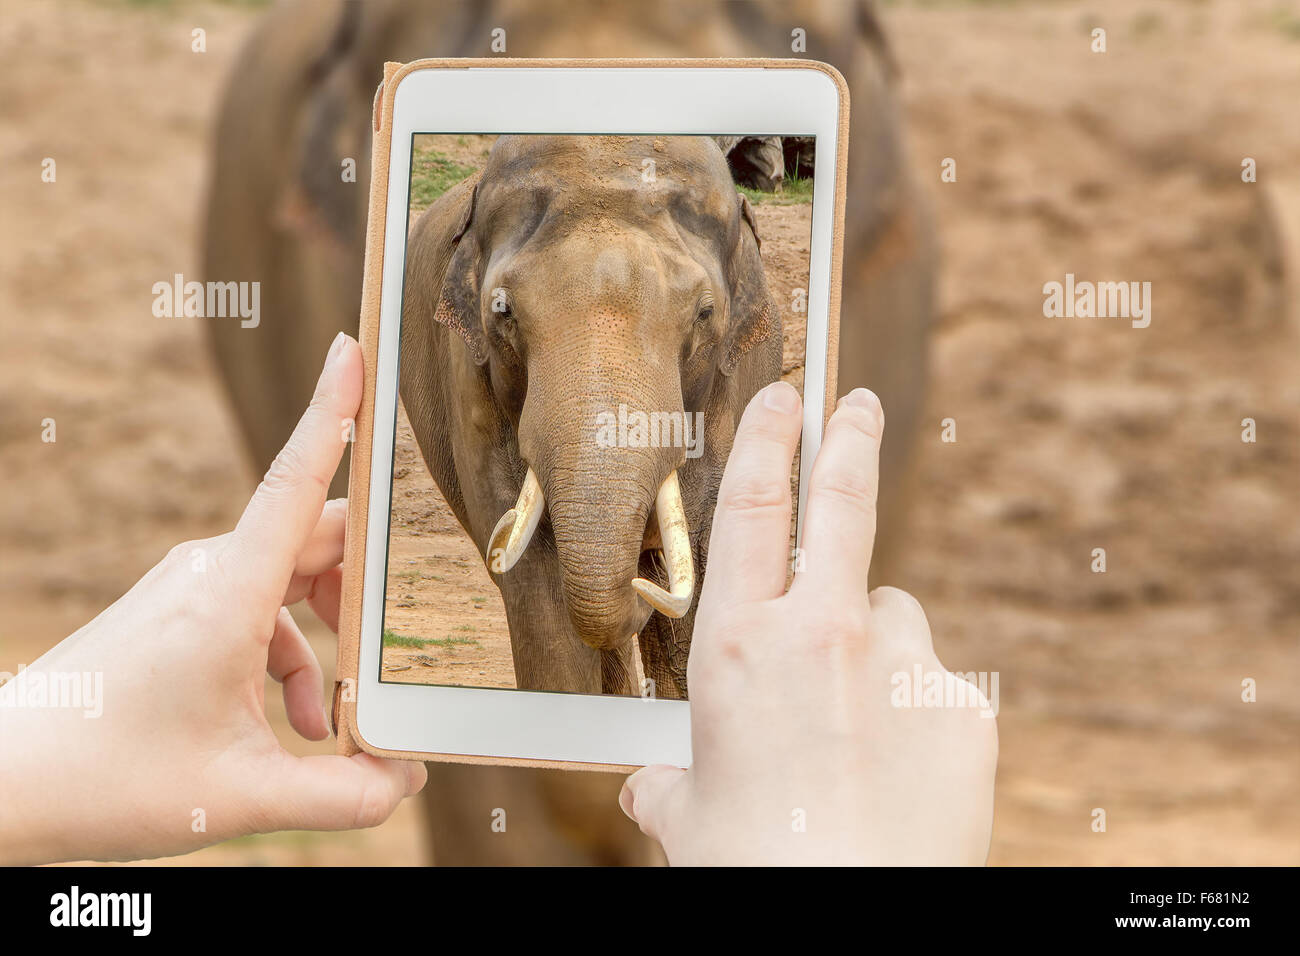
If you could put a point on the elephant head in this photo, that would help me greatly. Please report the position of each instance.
(589, 281)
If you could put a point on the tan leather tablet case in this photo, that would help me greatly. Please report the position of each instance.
(345, 686)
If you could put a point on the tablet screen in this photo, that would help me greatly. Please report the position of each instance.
(584, 319)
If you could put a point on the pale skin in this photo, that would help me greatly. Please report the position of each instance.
(790, 702)
(184, 656)
(800, 757)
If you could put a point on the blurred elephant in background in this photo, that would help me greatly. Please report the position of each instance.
(298, 107)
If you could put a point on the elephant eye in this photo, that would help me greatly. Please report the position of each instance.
(705, 309)
(501, 308)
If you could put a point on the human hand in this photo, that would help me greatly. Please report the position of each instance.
(800, 756)
(183, 755)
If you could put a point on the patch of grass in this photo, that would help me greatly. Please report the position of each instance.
(417, 643)
(794, 191)
(294, 838)
(452, 640)
(1287, 23)
(401, 640)
(432, 174)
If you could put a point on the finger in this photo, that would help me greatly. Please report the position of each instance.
(325, 596)
(292, 663)
(340, 793)
(324, 547)
(839, 527)
(651, 798)
(323, 551)
(898, 621)
(287, 505)
(750, 542)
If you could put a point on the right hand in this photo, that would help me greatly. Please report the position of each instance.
(800, 757)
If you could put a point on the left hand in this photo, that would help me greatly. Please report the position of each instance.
(182, 755)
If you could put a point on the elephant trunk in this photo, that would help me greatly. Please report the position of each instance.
(603, 483)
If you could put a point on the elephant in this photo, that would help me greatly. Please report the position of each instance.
(298, 105)
(757, 161)
(550, 290)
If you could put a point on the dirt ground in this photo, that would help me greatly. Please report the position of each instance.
(1119, 691)
(444, 619)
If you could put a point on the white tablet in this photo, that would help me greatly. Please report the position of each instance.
(587, 272)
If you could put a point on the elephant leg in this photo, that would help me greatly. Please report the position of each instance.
(618, 672)
(884, 345)
(666, 643)
(665, 646)
(508, 816)
(511, 816)
(551, 817)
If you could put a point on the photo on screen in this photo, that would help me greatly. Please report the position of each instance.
(584, 319)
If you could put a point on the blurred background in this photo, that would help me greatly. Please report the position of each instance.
(1119, 690)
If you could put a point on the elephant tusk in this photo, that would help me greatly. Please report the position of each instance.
(675, 534)
(515, 529)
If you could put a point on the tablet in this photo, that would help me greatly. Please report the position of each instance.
(577, 275)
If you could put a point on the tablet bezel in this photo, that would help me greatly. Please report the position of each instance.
(572, 728)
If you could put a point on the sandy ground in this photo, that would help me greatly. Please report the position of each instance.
(446, 613)
(1119, 691)
(438, 588)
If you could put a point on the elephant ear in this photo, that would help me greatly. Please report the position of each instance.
(458, 299)
(315, 201)
(754, 318)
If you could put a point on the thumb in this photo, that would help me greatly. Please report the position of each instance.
(652, 798)
(340, 793)
(288, 503)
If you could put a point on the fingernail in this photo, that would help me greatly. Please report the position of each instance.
(860, 397)
(781, 397)
(625, 801)
(335, 349)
